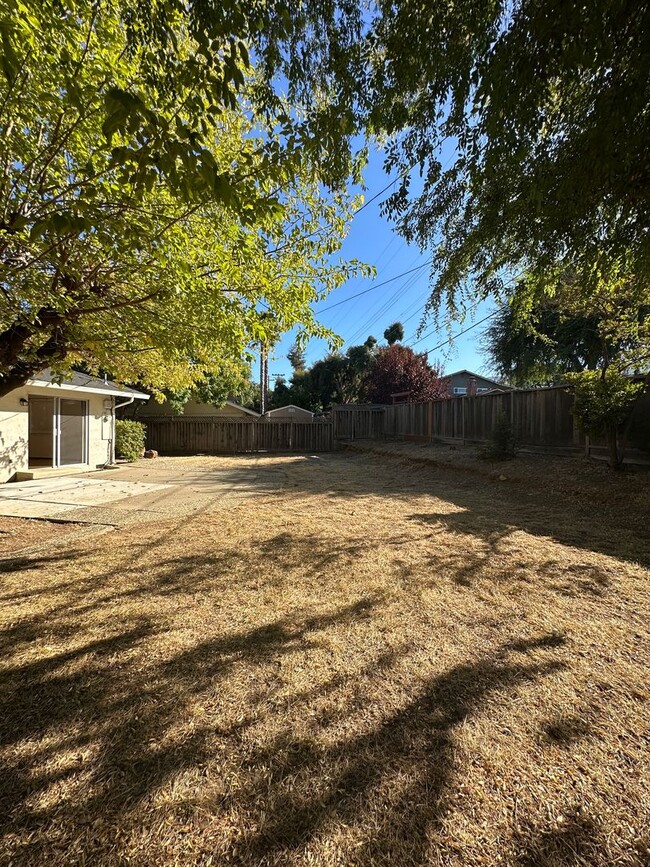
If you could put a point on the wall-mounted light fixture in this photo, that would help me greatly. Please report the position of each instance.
(23, 401)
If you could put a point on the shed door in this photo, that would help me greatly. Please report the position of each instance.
(41, 431)
(72, 431)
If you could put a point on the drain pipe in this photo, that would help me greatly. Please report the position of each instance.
(111, 443)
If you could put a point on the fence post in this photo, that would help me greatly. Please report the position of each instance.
(462, 405)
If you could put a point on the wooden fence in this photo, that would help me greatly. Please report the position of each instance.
(539, 418)
(358, 422)
(214, 435)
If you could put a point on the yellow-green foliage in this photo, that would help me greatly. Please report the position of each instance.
(129, 439)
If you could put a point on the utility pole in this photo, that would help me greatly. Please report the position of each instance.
(264, 377)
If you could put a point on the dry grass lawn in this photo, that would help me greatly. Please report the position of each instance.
(17, 534)
(378, 663)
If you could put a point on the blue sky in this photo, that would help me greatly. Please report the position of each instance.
(372, 239)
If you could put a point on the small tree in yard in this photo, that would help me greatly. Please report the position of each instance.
(129, 439)
(501, 446)
(398, 369)
(603, 404)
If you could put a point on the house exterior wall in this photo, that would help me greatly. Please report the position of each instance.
(14, 428)
(284, 412)
(461, 381)
(192, 409)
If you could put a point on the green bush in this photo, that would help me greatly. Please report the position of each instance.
(603, 402)
(501, 446)
(129, 439)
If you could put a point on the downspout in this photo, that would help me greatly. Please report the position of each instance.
(111, 443)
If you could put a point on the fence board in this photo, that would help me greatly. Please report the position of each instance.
(539, 417)
(188, 436)
(358, 421)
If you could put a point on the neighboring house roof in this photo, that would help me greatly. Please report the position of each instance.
(289, 406)
(82, 382)
(242, 408)
(476, 376)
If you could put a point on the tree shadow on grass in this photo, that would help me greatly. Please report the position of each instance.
(389, 783)
(576, 843)
(468, 563)
(392, 781)
(606, 528)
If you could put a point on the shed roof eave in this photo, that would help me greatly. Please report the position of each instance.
(87, 389)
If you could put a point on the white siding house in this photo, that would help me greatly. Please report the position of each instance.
(48, 427)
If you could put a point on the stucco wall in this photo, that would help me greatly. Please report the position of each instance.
(14, 428)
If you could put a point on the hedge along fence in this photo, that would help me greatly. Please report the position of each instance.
(539, 418)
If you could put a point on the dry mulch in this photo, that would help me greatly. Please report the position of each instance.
(375, 663)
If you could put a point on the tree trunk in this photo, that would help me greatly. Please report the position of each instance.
(18, 360)
(615, 458)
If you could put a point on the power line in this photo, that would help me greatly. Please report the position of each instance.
(358, 211)
(464, 331)
(380, 304)
(376, 196)
(374, 286)
(374, 318)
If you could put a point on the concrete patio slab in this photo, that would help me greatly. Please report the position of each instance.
(57, 497)
(166, 489)
(15, 508)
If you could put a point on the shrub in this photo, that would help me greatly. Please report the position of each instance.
(501, 446)
(129, 439)
(602, 404)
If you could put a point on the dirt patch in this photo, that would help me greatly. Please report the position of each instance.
(19, 533)
(385, 664)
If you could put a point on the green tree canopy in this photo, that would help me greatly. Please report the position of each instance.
(548, 109)
(144, 228)
(296, 357)
(394, 333)
(542, 348)
(337, 378)
(549, 112)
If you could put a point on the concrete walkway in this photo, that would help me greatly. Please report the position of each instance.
(57, 497)
(165, 488)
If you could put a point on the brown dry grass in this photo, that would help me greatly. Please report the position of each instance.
(375, 664)
(19, 533)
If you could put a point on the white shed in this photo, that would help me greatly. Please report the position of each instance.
(49, 427)
(290, 412)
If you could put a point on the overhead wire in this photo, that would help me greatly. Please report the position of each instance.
(404, 273)
(373, 287)
(376, 316)
(378, 306)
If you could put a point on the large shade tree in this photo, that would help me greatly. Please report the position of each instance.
(398, 370)
(547, 110)
(546, 106)
(148, 219)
